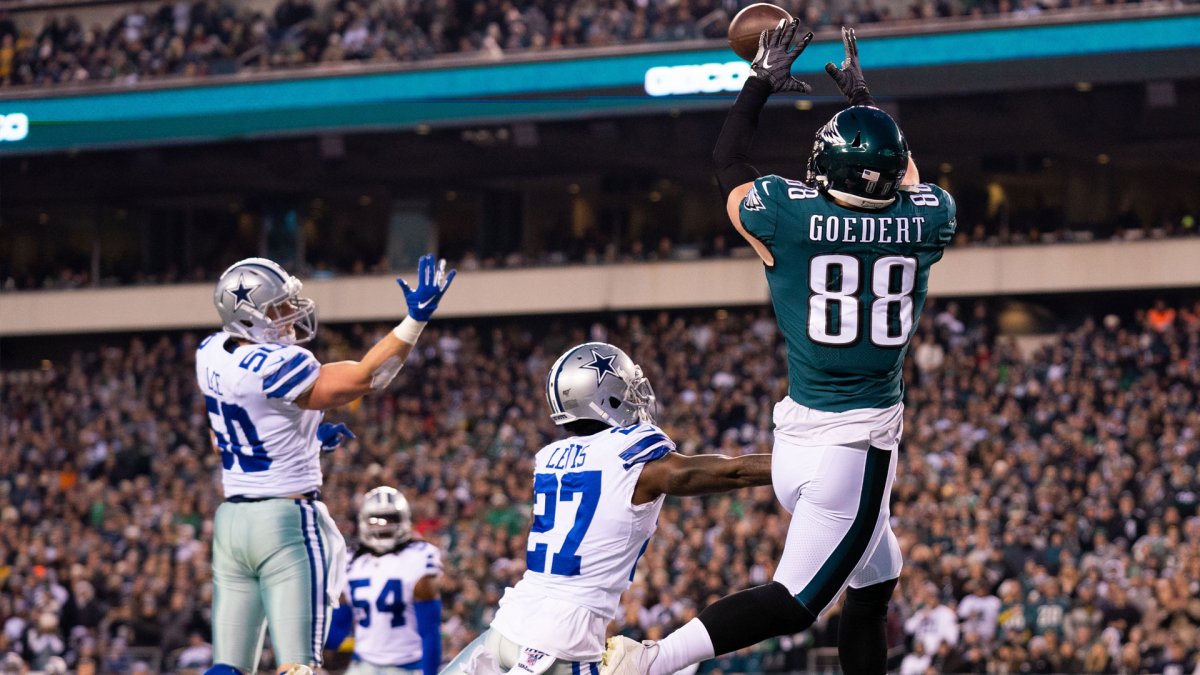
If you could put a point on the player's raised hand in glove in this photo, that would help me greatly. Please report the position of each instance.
(849, 77)
(332, 435)
(432, 282)
(778, 49)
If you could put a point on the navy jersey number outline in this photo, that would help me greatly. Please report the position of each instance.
(586, 484)
(390, 601)
(229, 443)
(254, 360)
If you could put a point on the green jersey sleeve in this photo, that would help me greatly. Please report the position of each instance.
(949, 220)
(760, 209)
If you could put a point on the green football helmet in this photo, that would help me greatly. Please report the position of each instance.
(859, 157)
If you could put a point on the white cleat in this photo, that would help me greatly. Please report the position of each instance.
(623, 656)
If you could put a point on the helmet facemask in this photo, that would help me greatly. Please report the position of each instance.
(384, 522)
(597, 381)
(293, 320)
(641, 396)
(265, 305)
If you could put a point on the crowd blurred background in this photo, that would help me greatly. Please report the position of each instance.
(601, 250)
(192, 38)
(1046, 498)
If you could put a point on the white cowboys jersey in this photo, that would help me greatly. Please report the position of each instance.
(584, 542)
(268, 444)
(380, 589)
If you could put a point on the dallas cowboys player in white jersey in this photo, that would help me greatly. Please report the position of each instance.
(597, 495)
(394, 610)
(277, 555)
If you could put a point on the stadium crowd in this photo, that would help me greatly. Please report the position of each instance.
(1046, 499)
(193, 38)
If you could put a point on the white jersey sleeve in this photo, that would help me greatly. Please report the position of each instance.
(585, 539)
(268, 444)
(288, 373)
(380, 589)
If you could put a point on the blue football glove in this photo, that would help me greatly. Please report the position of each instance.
(332, 435)
(432, 283)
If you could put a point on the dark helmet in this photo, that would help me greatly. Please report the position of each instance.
(859, 157)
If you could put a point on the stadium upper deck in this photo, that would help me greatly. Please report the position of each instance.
(1055, 127)
(125, 43)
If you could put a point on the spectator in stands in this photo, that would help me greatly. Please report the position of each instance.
(979, 611)
(932, 622)
(197, 655)
(42, 642)
(1161, 317)
(916, 662)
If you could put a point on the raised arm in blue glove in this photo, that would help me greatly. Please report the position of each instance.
(432, 282)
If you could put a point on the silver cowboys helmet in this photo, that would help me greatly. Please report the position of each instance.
(260, 302)
(385, 520)
(597, 381)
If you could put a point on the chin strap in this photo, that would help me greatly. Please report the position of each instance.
(603, 414)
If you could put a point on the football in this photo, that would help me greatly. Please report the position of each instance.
(749, 23)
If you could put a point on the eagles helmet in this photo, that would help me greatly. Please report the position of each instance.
(860, 157)
(597, 381)
(385, 520)
(260, 302)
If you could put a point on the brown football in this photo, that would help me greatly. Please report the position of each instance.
(750, 23)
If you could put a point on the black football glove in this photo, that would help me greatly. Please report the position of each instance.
(778, 49)
(849, 77)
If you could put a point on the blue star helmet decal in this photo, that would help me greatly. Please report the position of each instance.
(242, 294)
(602, 365)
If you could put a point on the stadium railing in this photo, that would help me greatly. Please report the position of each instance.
(1016, 270)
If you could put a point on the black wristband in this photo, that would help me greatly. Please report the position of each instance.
(732, 150)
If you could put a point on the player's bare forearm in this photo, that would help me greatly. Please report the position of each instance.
(428, 588)
(733, 208)
(346, 381)
(683, 476)
(343, 382)
(706, 474)
(911, 176)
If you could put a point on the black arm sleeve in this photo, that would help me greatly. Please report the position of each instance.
(732, 151)
(862, 96)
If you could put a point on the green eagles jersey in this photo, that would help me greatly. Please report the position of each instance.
(848, 286)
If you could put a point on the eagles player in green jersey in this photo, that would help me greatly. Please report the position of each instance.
(847, 256)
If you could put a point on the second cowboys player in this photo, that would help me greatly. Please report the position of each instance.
(394, 606)
(597, 496)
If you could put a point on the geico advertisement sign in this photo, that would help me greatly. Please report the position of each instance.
(705, 78)
(14, 127)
